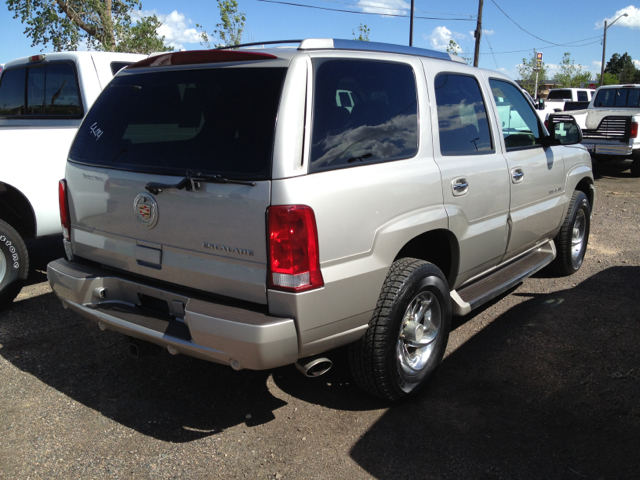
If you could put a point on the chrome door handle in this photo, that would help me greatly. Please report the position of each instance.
(517, 175)
(460, 186)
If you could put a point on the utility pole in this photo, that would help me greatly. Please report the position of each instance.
(477, 34)
(604, 47)
(411, 26)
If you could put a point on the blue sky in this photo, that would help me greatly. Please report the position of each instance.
(561, 26)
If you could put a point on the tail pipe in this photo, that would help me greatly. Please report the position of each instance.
(314, 366)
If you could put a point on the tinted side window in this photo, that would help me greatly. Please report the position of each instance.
(462, 116)
(12, 92)
(50, 90)
(364, 112)
(559, 95)
(36, 83)
(633, 100)
(61, 91)
(520, 126)
(583, 97)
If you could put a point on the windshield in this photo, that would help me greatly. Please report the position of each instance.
(618, 97)
(210, 121)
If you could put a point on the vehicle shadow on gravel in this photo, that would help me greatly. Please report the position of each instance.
(613, 169)
(549, 389)
(41, 252)
(175, 399)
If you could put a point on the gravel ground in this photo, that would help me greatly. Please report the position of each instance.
(542, 383)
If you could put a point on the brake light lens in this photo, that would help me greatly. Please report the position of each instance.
(634, 130)
(294, 261)
(65, 219)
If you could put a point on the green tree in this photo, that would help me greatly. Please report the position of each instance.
(453, 48)
(623, 67)
(609, 79)
(364, 33)
(103, 24)
(229, 30)
(527, 71)
(570, 75)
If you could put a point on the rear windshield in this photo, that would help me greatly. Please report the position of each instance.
(209, 121)
(559, 95)
(618, 97)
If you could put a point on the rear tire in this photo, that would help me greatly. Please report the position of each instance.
(408, 333)
(14, 264)
(571, 241)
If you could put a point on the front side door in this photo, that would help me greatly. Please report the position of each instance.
(475, 180)
(536, 173)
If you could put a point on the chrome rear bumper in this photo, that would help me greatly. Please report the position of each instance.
(219, 333)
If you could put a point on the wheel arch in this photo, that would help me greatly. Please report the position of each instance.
(586, 186)
(17, 211)
(439, 247)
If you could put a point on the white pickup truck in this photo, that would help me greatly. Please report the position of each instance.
(610, 125)
(43, 99)
(563, 99)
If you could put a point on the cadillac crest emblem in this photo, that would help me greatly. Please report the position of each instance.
(145, 209)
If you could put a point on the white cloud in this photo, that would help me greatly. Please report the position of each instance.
(637, 63)
(382, 7)
(440, 37)
(175, 27)
(631, 21)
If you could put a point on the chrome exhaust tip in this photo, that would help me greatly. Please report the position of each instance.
(314, 366)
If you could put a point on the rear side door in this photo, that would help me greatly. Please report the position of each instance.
(536, 173)
(475, 182)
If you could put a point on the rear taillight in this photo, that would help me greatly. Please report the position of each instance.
(294, 262)
(65, 220)
(634, 130)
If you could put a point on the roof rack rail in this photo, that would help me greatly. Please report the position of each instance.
(338, 44)
(255, 44)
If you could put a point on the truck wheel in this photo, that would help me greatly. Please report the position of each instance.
(571, 241)
(408, 333)
(635, 166)
(14, 264)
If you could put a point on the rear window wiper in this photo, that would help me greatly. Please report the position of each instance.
(191, 180)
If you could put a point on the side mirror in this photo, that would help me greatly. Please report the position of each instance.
(540, 104)
(563, 130)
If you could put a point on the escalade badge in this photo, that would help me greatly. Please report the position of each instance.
(145, 209)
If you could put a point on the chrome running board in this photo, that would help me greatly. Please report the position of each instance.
(502, 279)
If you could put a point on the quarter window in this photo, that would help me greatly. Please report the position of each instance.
(520, 126)
(364, 112)
(462, 116)
(43, 90)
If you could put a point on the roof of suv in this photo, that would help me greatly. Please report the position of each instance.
(287, 50)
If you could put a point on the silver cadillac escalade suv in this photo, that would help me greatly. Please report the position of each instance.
(257, 207)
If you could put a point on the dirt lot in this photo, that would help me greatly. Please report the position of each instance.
(543, 383)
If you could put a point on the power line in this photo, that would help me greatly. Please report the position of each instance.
(362, 4)
(542, 39)
(363, 13)
(492, 54)
(540, 48)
